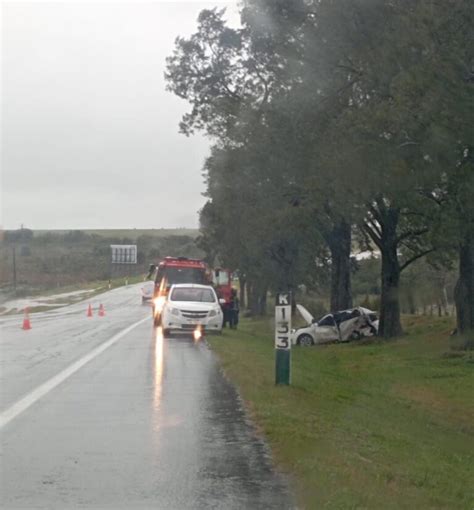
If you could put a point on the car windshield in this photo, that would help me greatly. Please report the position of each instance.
(327, 320)
(346, 315)
(181, 275)
(193, 294)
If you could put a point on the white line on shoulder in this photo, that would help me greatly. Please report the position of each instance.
(28, 400)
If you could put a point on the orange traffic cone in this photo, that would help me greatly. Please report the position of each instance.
(89, 311)
(26, 320)
(101, 310)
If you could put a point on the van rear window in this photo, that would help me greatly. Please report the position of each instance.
(181, 275)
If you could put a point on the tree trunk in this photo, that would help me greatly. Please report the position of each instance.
(242, 284)
(339, 242)
(445, 301)
(464, 290)
(252, 296)
(411, 301)
(390, 325)
(262, 302)
(257, 298)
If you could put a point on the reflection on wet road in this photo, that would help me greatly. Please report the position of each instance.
(158, 370)
(150, 423)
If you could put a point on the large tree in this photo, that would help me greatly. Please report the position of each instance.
(239, 91)
(349, 112)
(400, 70)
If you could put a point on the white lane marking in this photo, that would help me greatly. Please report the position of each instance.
(32, 397)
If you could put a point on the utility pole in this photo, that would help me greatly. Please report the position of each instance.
(14, 266)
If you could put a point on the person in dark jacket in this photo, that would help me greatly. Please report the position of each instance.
(234, 309)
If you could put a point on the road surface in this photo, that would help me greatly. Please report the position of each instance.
(104, 413)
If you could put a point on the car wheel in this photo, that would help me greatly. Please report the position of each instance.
(305, 340)
(166, 332)
(356, 335)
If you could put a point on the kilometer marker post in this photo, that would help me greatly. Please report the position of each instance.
(283, 338)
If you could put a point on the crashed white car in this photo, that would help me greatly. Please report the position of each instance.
(191, 306)
(341, 326)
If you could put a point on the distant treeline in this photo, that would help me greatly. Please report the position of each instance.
(52, 259)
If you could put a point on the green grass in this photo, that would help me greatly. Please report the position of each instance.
(386, 425)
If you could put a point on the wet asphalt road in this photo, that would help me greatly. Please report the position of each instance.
(148, 423)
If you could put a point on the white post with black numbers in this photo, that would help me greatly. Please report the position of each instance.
(283, 338)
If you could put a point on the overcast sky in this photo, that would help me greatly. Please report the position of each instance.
(89, 134)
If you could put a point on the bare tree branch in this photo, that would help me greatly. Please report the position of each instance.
(415, 257)
(372, 235)
(412, 233)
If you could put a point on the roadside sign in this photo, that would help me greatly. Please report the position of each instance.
(282, 338)
(124, 253)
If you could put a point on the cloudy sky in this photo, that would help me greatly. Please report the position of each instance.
(89, 134)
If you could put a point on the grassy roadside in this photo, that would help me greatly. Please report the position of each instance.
(387, 425)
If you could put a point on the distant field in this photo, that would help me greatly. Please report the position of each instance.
(132, 233)
(47, 259)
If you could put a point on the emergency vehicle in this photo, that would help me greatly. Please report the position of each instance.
(174, 270)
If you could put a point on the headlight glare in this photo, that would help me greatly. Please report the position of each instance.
(159, 303)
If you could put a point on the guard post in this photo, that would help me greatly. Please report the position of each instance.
(283, 338)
